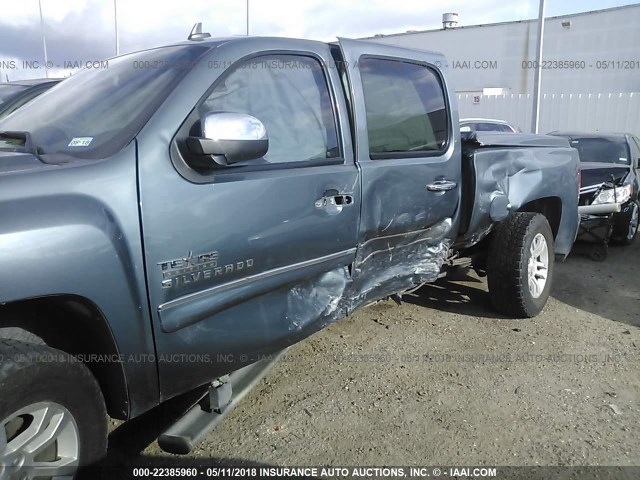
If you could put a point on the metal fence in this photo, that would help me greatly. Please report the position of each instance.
(607, 112)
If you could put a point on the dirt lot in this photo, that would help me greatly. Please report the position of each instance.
(443, 380)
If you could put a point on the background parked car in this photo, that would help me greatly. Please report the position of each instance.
(15, 94)
(612, 157)
(486, 125)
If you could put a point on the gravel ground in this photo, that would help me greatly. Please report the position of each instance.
(442, 380)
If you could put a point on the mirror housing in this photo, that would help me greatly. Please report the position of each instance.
(228, 138)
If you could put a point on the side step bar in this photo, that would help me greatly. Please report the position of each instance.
(190, 429)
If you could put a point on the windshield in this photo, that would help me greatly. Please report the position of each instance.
(10, 92)
(601, 150)
(95, 113)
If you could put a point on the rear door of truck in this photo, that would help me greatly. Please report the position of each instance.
(408, 151)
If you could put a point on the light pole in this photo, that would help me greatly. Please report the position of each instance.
(247, 18)
(535, 117)
(115, 21)
(44, 41)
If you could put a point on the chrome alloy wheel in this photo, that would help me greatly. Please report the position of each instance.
(538, 266)
(39, 441)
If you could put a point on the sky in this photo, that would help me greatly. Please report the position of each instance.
(83, 30)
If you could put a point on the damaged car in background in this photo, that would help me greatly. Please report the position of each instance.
(244, 203)
(610, 188)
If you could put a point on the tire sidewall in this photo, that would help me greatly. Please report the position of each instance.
(61, 383)
(622, 224)
(538, 225)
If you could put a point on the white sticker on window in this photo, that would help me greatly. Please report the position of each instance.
(80, 142)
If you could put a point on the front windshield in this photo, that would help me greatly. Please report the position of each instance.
(95, 113)
(10, 92)
(601, 150)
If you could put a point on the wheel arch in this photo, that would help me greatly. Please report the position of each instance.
(75, 325)
(550, 207)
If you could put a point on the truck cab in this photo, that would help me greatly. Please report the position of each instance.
(195, 209)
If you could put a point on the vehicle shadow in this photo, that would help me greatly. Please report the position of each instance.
(128, 441)
(608, 289)
(131, 438)
(461, 292)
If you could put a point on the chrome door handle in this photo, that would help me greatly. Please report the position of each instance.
(441, 186)
(334, 202)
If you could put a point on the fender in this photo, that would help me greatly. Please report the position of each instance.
(74, 230)
(509, 178)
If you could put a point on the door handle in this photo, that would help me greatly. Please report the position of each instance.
(334, 201)
(441, 186)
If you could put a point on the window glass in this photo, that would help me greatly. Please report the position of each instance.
(603, 150)
(290, 96)
(9, 92)
(492, 127)
(96, 112)
(405, 107)
(635, 150)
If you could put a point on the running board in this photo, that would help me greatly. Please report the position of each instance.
(184, 435)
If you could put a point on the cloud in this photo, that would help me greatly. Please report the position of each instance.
(84, 29)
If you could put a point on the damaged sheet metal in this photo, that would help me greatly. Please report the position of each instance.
(384, 266)
(388, 265)
(502, 173)
(323, 297)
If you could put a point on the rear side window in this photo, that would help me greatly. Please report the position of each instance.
(406, 109)
(492, 127)
(290, 96)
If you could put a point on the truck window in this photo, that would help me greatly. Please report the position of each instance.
(290, 96)
(406, 108)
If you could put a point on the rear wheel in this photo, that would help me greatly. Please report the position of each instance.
(520, 265)
(52, 414)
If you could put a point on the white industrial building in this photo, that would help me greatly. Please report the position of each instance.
(602, 48)
(590, 76)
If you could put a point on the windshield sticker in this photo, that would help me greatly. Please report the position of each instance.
(80, 142)
(622, 159)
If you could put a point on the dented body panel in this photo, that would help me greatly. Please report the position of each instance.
(506, 172)
(210, 273)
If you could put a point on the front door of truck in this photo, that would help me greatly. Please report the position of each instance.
(410, 165)
(243, 261)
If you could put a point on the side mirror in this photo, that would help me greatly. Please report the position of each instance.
(228, 138)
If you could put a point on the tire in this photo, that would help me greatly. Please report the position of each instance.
(508, 265)
(626, 228)
(42, 388)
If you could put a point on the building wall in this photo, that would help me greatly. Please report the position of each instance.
(604, 112)
(604, 46)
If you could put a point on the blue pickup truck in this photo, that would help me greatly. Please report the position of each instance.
(176, 220)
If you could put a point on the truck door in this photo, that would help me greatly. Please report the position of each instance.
(245, 260)
(409, 156)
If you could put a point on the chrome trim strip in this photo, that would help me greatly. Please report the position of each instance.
(252, 278)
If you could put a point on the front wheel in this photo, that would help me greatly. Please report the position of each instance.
(626, 228)
(520, 265)
(52, 414)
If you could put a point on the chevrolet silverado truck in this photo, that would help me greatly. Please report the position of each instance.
(178, 219)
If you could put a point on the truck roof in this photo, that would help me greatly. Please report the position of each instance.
(214, 42)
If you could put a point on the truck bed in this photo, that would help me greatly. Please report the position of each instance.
(503, 172)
